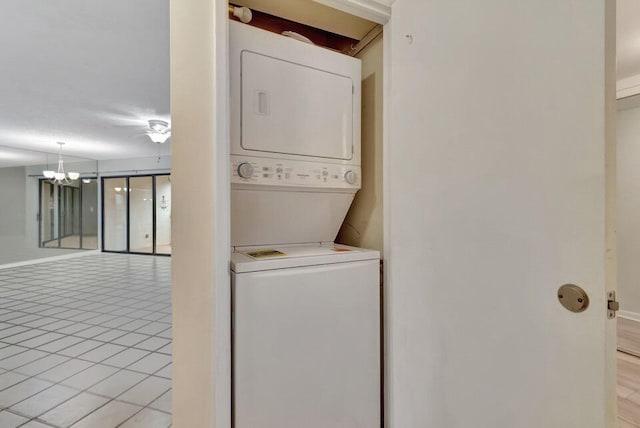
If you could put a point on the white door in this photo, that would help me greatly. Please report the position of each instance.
(495, 197)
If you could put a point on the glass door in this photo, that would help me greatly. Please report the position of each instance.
(141, 215)
(163, 214)
(69, 216)
(137, 214)
(115, 204)
(62, 216)
(48, 215)
(89, 216)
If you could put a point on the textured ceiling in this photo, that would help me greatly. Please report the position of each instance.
(92, 72)
(86, 72)
(11, 156)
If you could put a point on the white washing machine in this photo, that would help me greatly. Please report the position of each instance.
(306, 312)
(306, 337)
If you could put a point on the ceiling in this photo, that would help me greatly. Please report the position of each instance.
(86, 72)
(12, 156)
(91, 73)
(628, 38)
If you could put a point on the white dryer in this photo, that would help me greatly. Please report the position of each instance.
(295, 138)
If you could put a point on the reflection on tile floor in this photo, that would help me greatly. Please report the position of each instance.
(86, 342)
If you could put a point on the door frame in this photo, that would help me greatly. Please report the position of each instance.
(153, 209)
(200, 116)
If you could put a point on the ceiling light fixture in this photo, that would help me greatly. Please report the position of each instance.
(159, 131)
(60, 177)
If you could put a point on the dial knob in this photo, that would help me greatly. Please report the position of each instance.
(245, 170)
(350, 177)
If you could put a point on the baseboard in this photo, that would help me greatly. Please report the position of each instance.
(50, 259)
(628, 315)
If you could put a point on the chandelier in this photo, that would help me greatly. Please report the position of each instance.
(60, 177)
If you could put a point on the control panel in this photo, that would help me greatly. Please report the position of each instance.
(281, 172)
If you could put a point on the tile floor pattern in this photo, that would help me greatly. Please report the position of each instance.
(86, 342)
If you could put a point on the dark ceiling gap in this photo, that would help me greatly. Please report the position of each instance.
(319, 37)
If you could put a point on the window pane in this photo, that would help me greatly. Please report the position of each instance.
(141, 214)
(69, 215)
(115, 214)
(48, 215)
(90, 213)
(163, 214)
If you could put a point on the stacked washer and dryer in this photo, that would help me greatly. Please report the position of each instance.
(306, 311)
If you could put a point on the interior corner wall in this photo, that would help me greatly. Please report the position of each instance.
(362, 226)
(628, 211)
(12, 208)
(19, 218)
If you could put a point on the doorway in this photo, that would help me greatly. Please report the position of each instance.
(136, 214)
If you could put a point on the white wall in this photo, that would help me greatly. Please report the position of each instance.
(628, 209)
(12, 207)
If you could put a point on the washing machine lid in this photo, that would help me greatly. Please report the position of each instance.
(288, 256)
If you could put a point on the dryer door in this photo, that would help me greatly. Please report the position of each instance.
(293, 109)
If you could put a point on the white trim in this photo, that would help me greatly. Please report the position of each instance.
(81, 253)
(387, 360)
(378, 11)
(628, 87)
(222, 225)
(628, 315)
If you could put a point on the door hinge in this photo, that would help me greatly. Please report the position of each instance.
(612, 304)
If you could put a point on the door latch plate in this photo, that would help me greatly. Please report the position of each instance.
(612, 304)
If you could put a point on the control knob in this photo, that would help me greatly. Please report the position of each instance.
(350, 177)
(245, 170)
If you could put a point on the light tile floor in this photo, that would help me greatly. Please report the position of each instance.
(86, 342)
